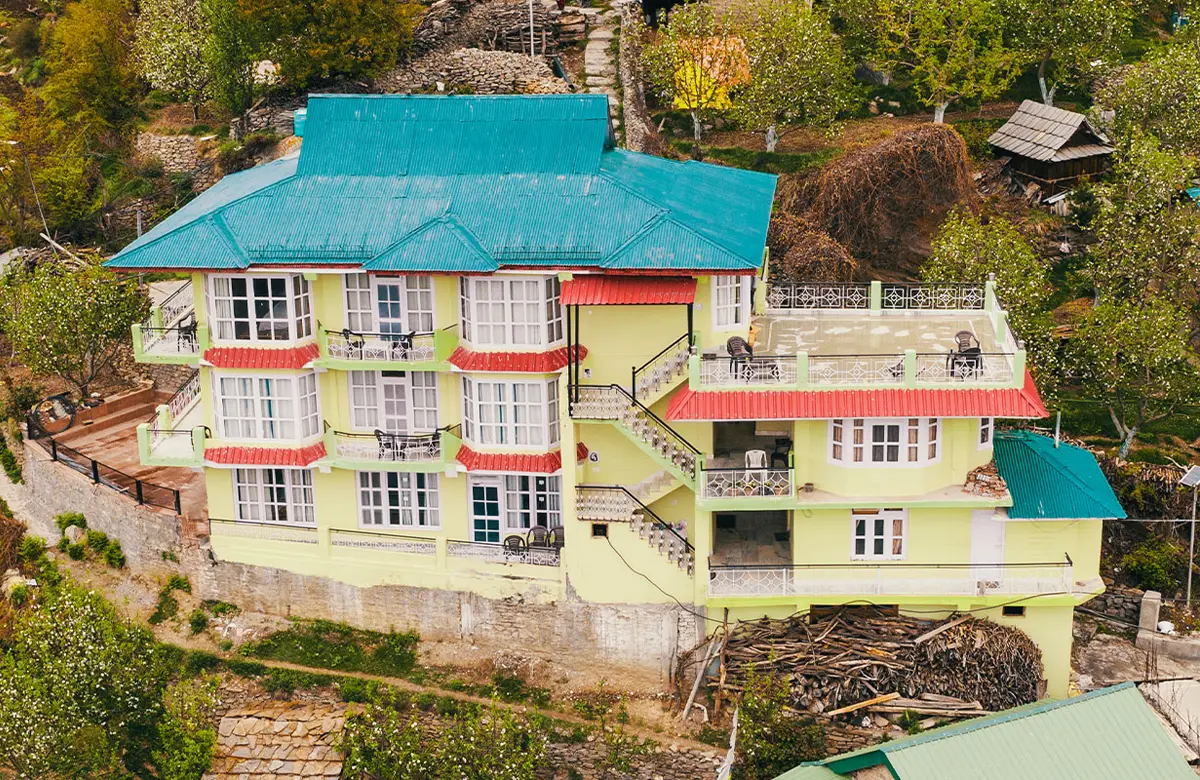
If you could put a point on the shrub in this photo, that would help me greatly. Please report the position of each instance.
(186, 735)
(246, 668)
(975, 133)
(168, 555)
(31, 549)
(354, 689)
(20, 595)
(770, 740)
(97, 540)
(178, 582)
(9, 461)
(329, 645)
(197, 621)
(24, 38)
(68, 519)
(63, 544)
(288, 680)
(196, 661)
(1155, 564)
(166, 608)
(76, 551)
(220, 608)
(113, 555)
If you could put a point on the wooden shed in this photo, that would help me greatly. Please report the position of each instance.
(1051, 145)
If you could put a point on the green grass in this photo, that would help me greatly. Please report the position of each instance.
(764, 162)
(325, 644)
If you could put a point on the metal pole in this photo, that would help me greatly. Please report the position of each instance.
(531, 48)
(1057, 427)
(1192, 550)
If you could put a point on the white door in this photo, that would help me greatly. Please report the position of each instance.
(987, 545)
(395, 402)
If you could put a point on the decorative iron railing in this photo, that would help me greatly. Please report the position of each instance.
(175, 340)
(757, 370)
(178, 304)
(615, 504)
(257, 529)
(498, 553)
(892, 579)
(979, 368)
(184, 398)
(937, 296)
(382, 540)
(391, 447)
(660, 370)
(381, 347)
(746, 483)
(819, 296)
(934, 296)
(612, 402)
(855, 369)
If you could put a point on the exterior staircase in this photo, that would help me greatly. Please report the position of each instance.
(615, 504)
(662, 373)
(655, 486)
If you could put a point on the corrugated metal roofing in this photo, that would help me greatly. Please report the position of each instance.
(265, 456)
(527, 181)
(1012, 402)
(597, 289)
(513, 362)
(262, 357)
(1109, 734)
(581, 451)
(540, 463)
(1042, 132)
(810, 773)
(1053, 483)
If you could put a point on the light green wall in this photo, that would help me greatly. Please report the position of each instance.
(619, 338)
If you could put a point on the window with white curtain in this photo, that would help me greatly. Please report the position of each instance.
(274, 496)
(986, 430)
(511, 311)
(389, 304)
(513, 503)
(260, 308)
(398, 499)
(878, 533)
(730, 301)
(359, 306)
(518, 414)
(903, 441)
(394, 401)
(270, 408)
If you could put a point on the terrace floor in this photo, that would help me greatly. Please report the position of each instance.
(858, 332)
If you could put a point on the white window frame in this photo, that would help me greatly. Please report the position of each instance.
(367, 403)
(879, 528)
(398, 499)
(987, 433)
(416, 306)
(519, 496)
(503, 413)
(730, 302)
(297, 300)
(851, 441)
(268, 408)
(522, 312)
(262, 495)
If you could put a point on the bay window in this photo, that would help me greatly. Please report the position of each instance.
(391, 304)
(878, 533)
(859, 441)
(270, 408)
(261, 308)
(511, 311)
(394, 401)
(517, 414)
(513, 503)
(274, 496)
(730, 301)
(398, 500)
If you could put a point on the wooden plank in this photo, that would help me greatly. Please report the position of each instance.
(867, 703)
(944, 627)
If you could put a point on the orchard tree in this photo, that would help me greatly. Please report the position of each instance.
(1133, 354)
(799, 74)
(695, 60)
(70, 322)
(90, 65)
(1068, 39)
(1160, 96)
(172, 42)
(235, 38)
(952, 49)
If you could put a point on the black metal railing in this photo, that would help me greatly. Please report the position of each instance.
(653, 363)
(637, 505)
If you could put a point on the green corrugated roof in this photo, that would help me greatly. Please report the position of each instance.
(1109, 734)
(810, 772)
(1053, 483)
(467, 183)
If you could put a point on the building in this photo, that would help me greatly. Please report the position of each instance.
(1109, 734)
(1051, 145)
(465, 345)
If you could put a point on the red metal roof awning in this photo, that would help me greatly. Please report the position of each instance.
(598, 289)
(265, 456)
(1013, 402)
(541, 463)
(262, 357)
(513, 362)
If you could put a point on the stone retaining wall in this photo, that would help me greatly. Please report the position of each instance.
(477, 70)
(1119, 603)
(182, 154)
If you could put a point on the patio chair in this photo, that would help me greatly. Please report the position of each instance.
(966, 363)
(756, 459)
(782, 448)
(514, 545)
(186, 340)
(965, 339)
(387, 445)
(740, 353)
(558, 537)
(354, 343)
(538, 536)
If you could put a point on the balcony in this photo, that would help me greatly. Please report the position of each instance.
(176, 435)
(744, 483)
(872, 335)
(170, 334)
(349, 350)
(892, 580)
(394, 451)
(497, 553)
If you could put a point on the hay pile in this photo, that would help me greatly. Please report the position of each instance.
(801, 253)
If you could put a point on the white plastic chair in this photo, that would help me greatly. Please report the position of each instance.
(756, 459)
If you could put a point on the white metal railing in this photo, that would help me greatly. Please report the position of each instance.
(940, 297)
(767, 370)
(746, 483)
(604, 504)
(178, 304)
(381, 347)
(663, 368)
(278, 532)
(184, 398)
(599, 402)
(176, 340)
(891, 580)
(388, 447)
(498, 553)
(949, 368)
(380, 540)
(819, 296)
(855, 369)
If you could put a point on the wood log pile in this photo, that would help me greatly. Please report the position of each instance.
(957, 667)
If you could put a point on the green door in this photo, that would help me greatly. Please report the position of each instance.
(485, 511)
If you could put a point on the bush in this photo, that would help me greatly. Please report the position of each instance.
(288, 680)
(220, 608)
(975, 133)
(20, 595)
(770, 740)
(113, 555)
(97, 540)
(31, 549)
(76, 551)
(9, 461)
(197, 661)
(1155, 564)
(178, 582)
(246, 668)
(166, 608)
(354, 689)
(329, 645)
(186, 735)
(24, 38)
(68, 519)
(197, 621)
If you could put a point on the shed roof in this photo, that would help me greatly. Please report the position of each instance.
(1053, 483)
(466, 184)
(600, 289)
(1109, 734)
(1045, 133)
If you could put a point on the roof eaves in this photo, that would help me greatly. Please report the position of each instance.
(655, 224)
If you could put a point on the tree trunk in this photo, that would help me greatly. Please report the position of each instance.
(1047, 91)
(1127, 442)
(772, 138)
(696, 126)
(939, 112)
(195, 112)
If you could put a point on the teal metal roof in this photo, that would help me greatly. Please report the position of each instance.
(1109, 734)
(466, 184)
(810, 772)
(1053, 483)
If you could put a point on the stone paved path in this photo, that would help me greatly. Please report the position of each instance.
(599, 66)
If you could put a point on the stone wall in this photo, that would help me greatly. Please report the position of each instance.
(639, 132)
(1119, 603)
(182, 154)
(480, 71)
(496, 24)
(644, 636)
(280, 121)
(51, 488)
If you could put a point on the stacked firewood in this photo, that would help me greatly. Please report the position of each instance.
(960, 666)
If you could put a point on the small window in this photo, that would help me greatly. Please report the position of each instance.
(600, 530)
(909, 440)
(730, 299)
(878, 533)
(1013, 611)
(986, 427)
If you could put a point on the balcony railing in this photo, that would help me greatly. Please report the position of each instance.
(382, 541)
(275, 532)
(388, 447)
(988, 368)
(893, 579)
(880, 296)
(177, 340)
(911, 369)
(182, 401)
(747, 483)
(383, 348)
(178, 304)
(835, 370)
(174, 436)
(819, 296)
(497, 553)
(766, 370)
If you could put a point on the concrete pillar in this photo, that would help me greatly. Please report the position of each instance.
(1148, 617)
